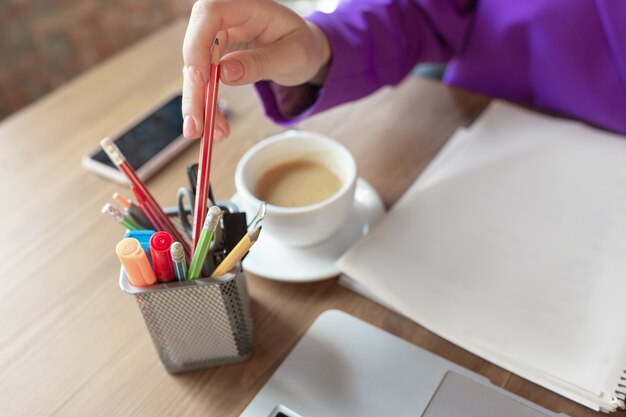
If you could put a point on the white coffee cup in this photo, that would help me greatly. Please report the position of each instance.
(304, 225)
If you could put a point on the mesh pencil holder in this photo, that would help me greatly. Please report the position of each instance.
(197, 324)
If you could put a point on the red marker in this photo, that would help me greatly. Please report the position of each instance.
(160, 243)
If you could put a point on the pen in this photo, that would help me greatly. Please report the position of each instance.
(178, 259)
(206, 234)
(206, 144)
(119, 217)
(135, 262)
(133, 211)
(238, 252)
(160, 243)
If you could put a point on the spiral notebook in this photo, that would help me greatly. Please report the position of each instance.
(512, 245)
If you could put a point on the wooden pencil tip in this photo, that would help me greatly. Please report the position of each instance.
(215, 52)
(254, 234)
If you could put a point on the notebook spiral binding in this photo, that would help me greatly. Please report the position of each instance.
(620, 392)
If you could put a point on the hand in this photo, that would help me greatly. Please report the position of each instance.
(259, 40)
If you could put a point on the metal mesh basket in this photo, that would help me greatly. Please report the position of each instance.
(197, 324)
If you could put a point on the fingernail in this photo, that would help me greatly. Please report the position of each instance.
(195, 76)
(219, 134)
(233, 70)
(189, 127)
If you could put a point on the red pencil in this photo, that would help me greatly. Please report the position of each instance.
(146, 201)
(206, 144)
(152, 214)
(143, 206)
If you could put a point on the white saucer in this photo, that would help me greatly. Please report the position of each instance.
(270, 258)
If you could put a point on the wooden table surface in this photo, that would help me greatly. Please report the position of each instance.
(72, 344)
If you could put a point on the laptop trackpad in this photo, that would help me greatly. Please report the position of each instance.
(458, 396)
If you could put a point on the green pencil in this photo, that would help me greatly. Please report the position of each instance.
(119, 217)
(130, 224)
(202, 248)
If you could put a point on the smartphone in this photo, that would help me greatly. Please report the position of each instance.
(148, 144)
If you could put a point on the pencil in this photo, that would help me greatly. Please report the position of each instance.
(178, 259)
(119, 217)
(143, 206)
(199, 255)
(206, 145)
(238, 252)
(132, 210)
(159, 219)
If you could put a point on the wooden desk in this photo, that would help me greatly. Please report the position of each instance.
(72, 344)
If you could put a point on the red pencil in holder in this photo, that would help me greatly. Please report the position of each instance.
(146, 201)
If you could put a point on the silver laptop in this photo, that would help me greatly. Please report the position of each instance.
(344, 367)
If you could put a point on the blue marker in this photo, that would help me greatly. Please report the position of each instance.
(178, 259)
(143, 236)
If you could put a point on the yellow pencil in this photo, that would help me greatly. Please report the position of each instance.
(241, 248)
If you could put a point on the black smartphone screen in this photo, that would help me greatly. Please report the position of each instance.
(149, 136)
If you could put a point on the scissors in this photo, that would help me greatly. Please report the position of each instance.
(186, 198)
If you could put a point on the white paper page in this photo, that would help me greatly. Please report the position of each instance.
(520, 248)
(439, 162)
(524, 132)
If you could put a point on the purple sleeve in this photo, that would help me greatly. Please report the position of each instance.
(376, 43)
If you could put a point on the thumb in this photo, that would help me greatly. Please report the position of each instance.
(285, 62)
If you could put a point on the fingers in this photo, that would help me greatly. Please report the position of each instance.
(222, 128)
(208, 18)
(193, 97)
(285, 49)
(269, 62)
(292, 60)
(220, 132)
(193, 116)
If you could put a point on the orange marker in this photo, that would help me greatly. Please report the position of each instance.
(135, 262)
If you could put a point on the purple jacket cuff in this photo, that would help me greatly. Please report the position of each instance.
(376, 43)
